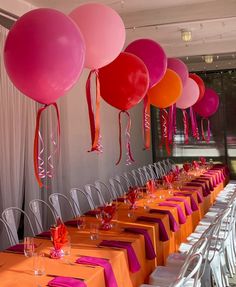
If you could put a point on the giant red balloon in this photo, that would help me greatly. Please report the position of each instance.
(200, 83)
(208, 105)
(124, 82)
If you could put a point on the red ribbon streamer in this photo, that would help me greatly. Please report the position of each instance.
(171, 127)
(164, 129)
(186, 128)
(206, 139)
(39, 174)
(146, 122)
(127, 133)
(94, 120)
(195, 131)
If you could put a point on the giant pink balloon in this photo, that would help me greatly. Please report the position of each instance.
(189, 95)
(44, 54)
(208, 105)
(179, 67)
(153, 56)
(104, 33)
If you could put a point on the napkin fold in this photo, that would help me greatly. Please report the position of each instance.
(44, 234)
(18, 248)
(110, 279)
(73, 223)
(199, 196)
(62, 281)
(149, 249)
(162, 230)
(204, 192)
(188, 209)
(93, 212)
(194, 205)
(181, 216)
(134, 264)
(174, 226)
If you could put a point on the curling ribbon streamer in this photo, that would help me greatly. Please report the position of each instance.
(174, 119)
(171, 124)
(94, 120)
(206, 139)
(146, 122)
(127, 133)
(164, 129)
(186, 129)
(39, 169)
(195, 131)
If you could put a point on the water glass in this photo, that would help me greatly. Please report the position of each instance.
(93, 230)
(67, 247)
(39, 264)
(29, 246)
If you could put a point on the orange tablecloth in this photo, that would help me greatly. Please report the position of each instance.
(16, 270)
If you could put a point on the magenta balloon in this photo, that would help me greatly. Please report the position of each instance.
(104, 33)
(179, 67)
(189, 95)
(208, 105)
(153, 57)
(44, 54)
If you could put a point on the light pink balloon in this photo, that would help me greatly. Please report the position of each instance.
(104, 33)
(179, 67)
(189, 95)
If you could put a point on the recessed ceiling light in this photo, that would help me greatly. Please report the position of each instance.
(208, 59)
(186, 35)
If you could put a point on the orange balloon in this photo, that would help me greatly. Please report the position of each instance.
(167, 91)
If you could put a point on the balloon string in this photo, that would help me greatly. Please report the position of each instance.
(39, 164)
(174, 119)
(186, 128)
(129, 158)
(146, 122)
(94, 120)
(164, 129)
(206, 139)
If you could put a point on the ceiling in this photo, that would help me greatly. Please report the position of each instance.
(212, 23)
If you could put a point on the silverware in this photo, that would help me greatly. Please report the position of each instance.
(54, 275)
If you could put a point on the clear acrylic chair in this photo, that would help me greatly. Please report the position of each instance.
(8, 232)
(81, 200)
(39, 207)
(116, 187)
(9, 216)
(60, 204)
(95, 195)
(105, 191)
(139, 176)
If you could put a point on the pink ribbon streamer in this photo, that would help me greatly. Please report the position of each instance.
(171, 124)
(195, 131)
(206, 138)
(186, 129)
(164, 129)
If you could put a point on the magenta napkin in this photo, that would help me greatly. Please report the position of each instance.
(199, 196)
(162, 231)
(18, 248)
(108, 272)
(194, 205)
(215, 176)
(62, 281)
(187, 207)
(204, 192)
(45, 234)
(72, 223)
(134, 265)
(149, 249)
(181, 216)
(120, 199)
(174, 226)
(209, 177)
(208, 189)
(93, 212)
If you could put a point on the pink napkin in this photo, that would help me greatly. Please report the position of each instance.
(181, 216)
(187, 207)
(194, 205)
(199, 196)
(18, 248)
(149, 249)
(108, 272)
(174, 226)
(62, 281)
(45, 234)
(162, 231)
(134, 265)
(204, 191)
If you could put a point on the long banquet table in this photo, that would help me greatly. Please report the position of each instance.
(16, 270)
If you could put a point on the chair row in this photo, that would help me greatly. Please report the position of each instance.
(78, 201)
(213, 241)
